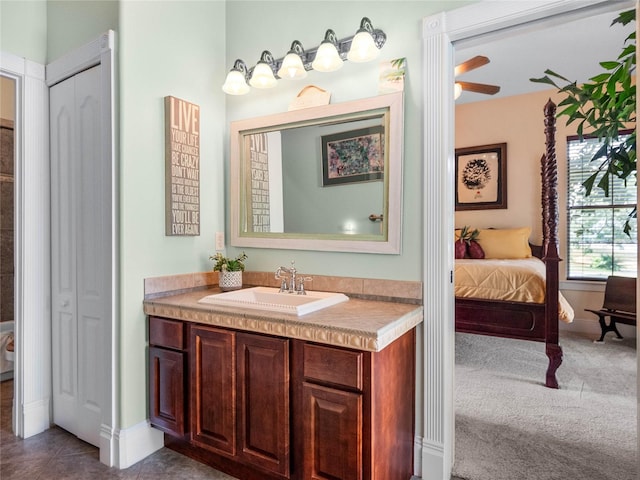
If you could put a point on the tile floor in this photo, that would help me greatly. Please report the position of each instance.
(57, 454)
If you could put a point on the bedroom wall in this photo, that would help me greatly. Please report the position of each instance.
(518, 121)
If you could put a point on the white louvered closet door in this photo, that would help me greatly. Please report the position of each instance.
(80, 251)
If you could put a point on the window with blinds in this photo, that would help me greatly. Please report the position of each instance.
(598, 246)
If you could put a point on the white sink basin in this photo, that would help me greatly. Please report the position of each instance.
(271, 299)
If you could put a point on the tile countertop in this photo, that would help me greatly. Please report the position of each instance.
(360, 324)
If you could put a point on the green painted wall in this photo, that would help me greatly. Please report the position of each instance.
(254, 26)
(73, 23)
(176, 49)
(23, 29)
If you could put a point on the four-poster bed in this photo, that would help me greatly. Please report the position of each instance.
(519, 319)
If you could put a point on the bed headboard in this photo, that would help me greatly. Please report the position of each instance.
(536, 250)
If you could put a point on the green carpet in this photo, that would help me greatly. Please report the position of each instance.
(509, 426)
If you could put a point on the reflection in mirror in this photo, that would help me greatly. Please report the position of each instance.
(7, 195)
(323, 178)
(288, 184)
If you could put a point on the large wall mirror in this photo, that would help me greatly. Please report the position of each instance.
(320, 178)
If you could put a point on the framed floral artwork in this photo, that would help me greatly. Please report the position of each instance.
(481, 177)
(353, 156)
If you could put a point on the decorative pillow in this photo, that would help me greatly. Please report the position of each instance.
(475, 250)
(505, 243)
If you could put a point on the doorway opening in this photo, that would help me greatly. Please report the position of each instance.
(7, 230)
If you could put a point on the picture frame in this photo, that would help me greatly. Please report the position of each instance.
(481, 177)
(353, 156)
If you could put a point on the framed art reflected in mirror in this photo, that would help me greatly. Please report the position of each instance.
(481, 177)
(353, 156)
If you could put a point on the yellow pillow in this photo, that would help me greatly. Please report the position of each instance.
(505, 243)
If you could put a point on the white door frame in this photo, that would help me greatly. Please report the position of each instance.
(435, 454)
(101, 51)
(32, 384)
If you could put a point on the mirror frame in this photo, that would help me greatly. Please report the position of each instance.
(318, 115)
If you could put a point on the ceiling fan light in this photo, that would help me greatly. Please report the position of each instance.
(363, 48)
(235, 83)
(292, 67)
(457, 91)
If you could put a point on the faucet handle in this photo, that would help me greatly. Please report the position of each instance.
(301, 290)
(283, 285)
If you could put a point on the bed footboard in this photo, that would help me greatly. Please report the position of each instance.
(523, 321)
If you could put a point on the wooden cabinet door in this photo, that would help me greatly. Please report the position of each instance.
(332, 433)
(263, 402)
(213, 389)
(167, 390)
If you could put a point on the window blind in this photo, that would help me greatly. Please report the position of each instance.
(598, 246)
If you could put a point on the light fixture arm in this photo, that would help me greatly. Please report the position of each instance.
(296, 47)
(379, 37)
(267, 58)
(241, 67)
(330, 36)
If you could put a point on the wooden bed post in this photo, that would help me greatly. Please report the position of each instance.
(550, 243)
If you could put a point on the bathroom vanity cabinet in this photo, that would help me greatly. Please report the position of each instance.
(168, 409)
(240, 397)
(354, 410)
(270, 407)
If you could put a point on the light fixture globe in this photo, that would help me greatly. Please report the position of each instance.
(236, 81)
(262, 76)
(363, 48)
(292, 67)
(327, 56)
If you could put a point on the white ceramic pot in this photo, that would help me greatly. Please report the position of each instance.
(230, 280)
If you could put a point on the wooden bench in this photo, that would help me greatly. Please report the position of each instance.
(619, 304)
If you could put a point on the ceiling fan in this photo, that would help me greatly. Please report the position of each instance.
(471, 64)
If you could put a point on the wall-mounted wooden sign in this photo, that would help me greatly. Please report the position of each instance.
(182, 160)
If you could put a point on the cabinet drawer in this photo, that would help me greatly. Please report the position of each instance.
(333, 365)
(166, 333)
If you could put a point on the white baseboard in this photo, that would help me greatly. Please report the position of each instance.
(417, 455)
(36, 417)
(126, 447)
(107, 446)
(429, 460)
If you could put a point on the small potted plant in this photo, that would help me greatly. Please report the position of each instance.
(230, 277)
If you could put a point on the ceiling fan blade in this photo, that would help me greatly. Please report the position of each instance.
(479, 88)
(471, 64)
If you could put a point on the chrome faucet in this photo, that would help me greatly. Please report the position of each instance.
(295, 285)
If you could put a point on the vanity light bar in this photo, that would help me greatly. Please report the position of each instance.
(364, 46)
